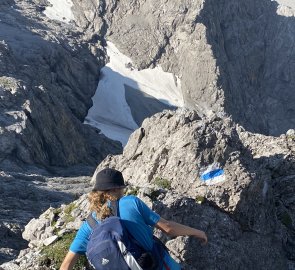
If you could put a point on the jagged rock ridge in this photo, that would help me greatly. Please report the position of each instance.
(232, 58)
(249, 218)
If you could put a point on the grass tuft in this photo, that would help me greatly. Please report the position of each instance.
(162, 183)
(53, 255)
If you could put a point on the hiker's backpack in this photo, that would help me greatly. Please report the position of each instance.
(112, 247)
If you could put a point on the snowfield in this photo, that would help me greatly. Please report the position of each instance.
(125, 96)
(111, 113)
(288, 3)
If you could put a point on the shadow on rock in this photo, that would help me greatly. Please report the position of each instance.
(24, 197)
(249, 218)
(229, 246)
(266, 207)
(252, 42)
(46, 87)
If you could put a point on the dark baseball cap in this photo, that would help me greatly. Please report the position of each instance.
(108, 179)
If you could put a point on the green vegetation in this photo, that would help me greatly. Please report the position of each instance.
(57, 211)
(68, 212)
(200, 199)
(7, 82)
(69, 208)
(291, 137)
(132, 191)
(54, 254)
(67, 216)
(162, 183)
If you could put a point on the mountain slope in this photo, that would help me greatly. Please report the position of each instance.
(249, 216)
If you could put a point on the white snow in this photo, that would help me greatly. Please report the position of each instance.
(286, 8)
(110, 111)
(60, 10)
(288, 3)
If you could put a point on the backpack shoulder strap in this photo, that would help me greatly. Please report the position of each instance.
(91, 221)
(115, 209)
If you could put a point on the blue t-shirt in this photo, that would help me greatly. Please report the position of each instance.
(139, 220)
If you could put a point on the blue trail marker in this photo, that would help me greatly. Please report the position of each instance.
(212, 175)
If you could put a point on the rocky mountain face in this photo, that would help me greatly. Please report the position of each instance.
(249, 217)
(232, 56)
(234, 59)
(48, 74)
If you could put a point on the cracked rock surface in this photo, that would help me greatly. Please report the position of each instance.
(234, 60)
(48, 74)
(249, 217)
(232, 56)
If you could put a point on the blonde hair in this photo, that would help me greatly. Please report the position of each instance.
(99, 203)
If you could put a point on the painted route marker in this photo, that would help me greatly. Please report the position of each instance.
(212, 175)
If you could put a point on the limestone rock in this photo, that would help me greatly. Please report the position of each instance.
(255, 193)
(233, 59)
(248, 217)
(232, 56)
(50, 240)
(48, 75)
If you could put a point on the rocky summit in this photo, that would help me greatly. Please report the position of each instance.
(225, 163)
(248, 216)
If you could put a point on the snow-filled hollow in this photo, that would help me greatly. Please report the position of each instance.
(110, 111)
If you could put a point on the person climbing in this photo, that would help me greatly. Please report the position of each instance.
(135, 214)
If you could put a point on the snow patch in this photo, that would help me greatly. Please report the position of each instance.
(60, 10)
(110, 112)
(155, 82)
(288, 3)
(286, 8)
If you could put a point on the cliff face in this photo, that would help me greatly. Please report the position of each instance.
(234, 59)
(232, 56)
(48, 76)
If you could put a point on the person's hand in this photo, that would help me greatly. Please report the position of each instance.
(203, 238)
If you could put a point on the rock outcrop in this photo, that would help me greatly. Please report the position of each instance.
(259, 174)
(48, 74)
(232, 56)
(234, 59)
(249, 217)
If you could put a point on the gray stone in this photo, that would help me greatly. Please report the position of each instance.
(50, 240)
(233, 59)
(249, 217)
(252, 205)
(10, 266)
(48, 76)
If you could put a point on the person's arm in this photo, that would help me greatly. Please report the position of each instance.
(176, 229)
(77, 248)
(69, 261)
